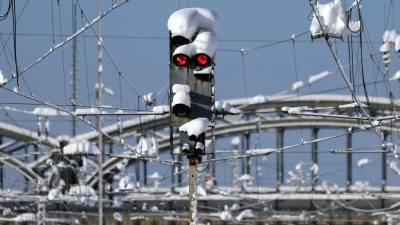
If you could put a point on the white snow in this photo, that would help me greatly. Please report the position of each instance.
(45, 111)
(206, 42)
(333, 18)
(235, 141)
(126, 183)
(265, 151)
(88, 111)
(396, 76)
(246, 177)
(205, 71)
(118, 216)
(293, 179)
(186, 22)
(364, 161)
(26, 217)
(385, 47)
(297, 85)
(258, 99)
(224, 108)
(354, 26)
(185, 191)
(389, 36)
(190, 21)
(155, 175)
(351, 105)
(147, 147)
(299, 170)
(180, 87)
(181, 95)
(317, 77)
(8, 212)
(195, 127)
(118, 201)
(210, 147)
(122, 165)
(84, 148)
(150, 98)
(109, 91)
(55, 194)
(17, 89)
(386, 55)
(161, 109)
(295, 110)
(226, 215)
(387, 61)
(82, 190)
(326, 187)
(314, 169)
(2, 79)
(393, 166)
(100, 67)
(247, 213)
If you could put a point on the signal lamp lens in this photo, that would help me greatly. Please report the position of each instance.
(181, 60)
(202, 60)
(181, 110)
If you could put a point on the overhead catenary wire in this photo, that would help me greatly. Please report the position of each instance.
(89, 25)
(297, 80)
(62, 51)
(105, 49)
(86, 64)
(10, 34)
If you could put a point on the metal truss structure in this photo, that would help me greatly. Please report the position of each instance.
(265, 116)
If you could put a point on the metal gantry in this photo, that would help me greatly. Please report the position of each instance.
(270, 120)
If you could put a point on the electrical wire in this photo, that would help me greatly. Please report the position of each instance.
(86, 65)
(105, 49)
(62, 50)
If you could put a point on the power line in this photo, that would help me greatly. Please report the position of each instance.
(166, 38)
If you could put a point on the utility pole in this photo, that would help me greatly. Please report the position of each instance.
(74, 80)
(193, 214)
(99, 122)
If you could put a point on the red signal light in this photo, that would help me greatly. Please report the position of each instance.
(202, 60)
(181, 60)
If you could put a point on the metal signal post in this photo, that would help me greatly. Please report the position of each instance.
(192, 50)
